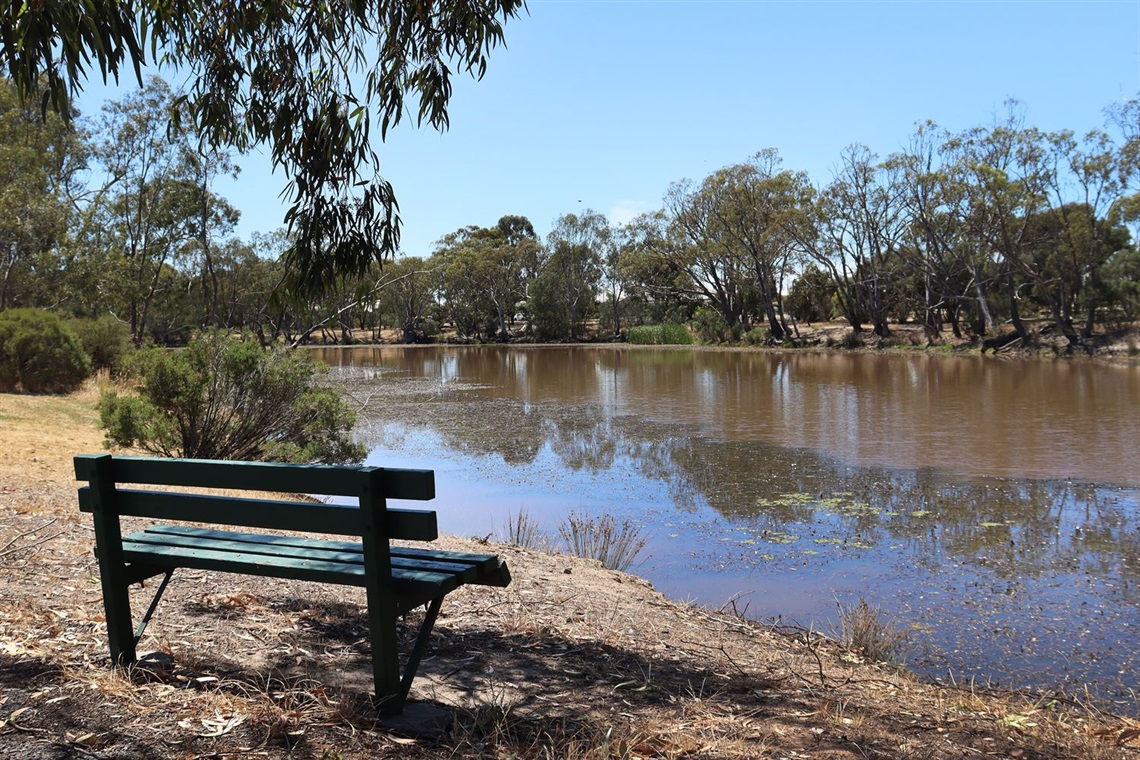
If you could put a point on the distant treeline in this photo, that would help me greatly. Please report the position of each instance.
(963, 232)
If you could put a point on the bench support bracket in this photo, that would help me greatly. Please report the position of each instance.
(153, 606)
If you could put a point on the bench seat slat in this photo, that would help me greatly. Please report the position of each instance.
(482, 562)
(405, 581)
(159, 537)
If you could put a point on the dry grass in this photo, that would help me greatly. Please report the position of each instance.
(866, 630)
(523, 530)
(616, 545)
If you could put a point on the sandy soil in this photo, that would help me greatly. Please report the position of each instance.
(572, 660)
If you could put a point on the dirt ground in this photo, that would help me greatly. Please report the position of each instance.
(571, 661)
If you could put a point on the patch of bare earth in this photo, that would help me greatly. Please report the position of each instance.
(572, 660)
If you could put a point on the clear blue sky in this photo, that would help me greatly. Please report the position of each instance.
(602, 104)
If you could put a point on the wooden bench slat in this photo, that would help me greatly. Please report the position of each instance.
(329, 480)
(311, 517)
(249, 564)
(421, 583)
(161, 536)
(481, 562)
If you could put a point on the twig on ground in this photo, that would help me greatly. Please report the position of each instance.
(5, 550)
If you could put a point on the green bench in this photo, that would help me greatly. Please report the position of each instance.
(396, 579)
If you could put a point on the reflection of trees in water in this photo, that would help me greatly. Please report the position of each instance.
(1014, 529)
(583, 437)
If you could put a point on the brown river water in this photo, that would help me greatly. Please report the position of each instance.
(989, 506)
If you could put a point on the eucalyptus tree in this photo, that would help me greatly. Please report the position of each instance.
(952, 267)
(653, 277)
(865, 224)
(752, 208)
(405, 290)
(1042, 203)
(215, 219)
(1124, 118)
(486, 271)
(719, 274)
(856, 228)
(565, 291)
(1088, 182)
(614, 280)
(39, 160)
(464, 303)
(142, 219)
(305, 81)
(1004, 167)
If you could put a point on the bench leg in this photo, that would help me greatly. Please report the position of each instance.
(117, 608)
(113, 578)
(391, 693)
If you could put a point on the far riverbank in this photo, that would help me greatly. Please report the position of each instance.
(1120, 345)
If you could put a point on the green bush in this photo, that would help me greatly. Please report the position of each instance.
(106, 340)
(710, 325)
(39, 353)
(221, 398)
(665, 334)
(812, 296)
(758, 336)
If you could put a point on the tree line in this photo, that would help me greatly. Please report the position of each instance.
(966, 232)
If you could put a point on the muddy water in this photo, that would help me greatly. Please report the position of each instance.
(993, 507)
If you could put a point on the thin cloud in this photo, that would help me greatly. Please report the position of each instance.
(624, 211)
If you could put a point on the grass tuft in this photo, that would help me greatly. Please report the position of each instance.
(615, 545)
(523, 530)
(866, 629)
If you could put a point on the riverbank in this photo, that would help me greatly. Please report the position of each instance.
(1118, 345)
(572, 660)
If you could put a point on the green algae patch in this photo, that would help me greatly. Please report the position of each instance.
(843, 504)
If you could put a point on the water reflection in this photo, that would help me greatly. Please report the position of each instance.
(966, 414)
(993, 505)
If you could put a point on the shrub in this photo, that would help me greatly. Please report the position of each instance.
(39, 353)
(106, 340)
(221, 398)
(811, 298)
(666, 334)
(758, 336)
(710, 325)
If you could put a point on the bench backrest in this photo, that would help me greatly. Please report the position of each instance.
(371, 486)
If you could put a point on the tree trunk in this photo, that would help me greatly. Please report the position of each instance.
(1090, 323)
(983, 303)
(955, 320)
(504, 334)
(1014, 311)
